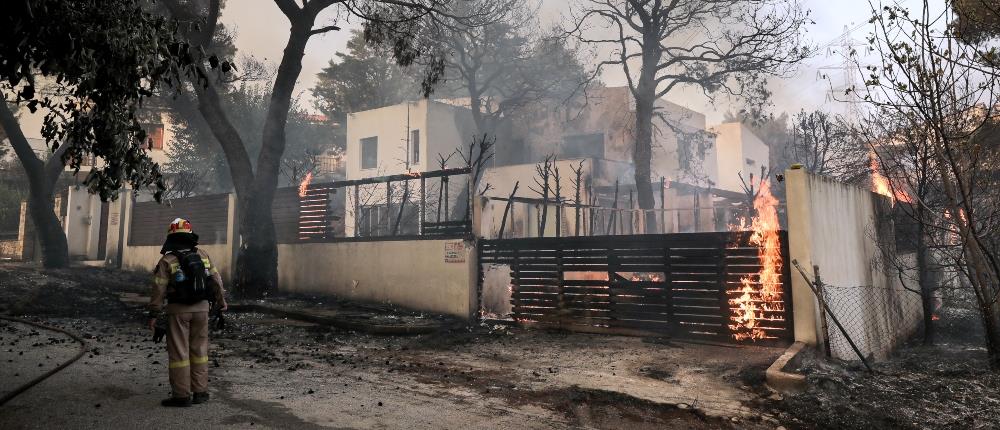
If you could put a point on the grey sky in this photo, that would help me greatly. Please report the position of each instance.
(262, 32)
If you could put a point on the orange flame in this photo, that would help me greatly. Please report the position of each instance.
(304, 185)
(881, 184)
(759, 298)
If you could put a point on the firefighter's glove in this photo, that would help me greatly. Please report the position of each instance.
(159, 331)
(218, 320)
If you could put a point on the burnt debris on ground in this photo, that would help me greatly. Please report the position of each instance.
(947, 385)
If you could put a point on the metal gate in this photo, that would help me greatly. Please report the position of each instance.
(679, 285)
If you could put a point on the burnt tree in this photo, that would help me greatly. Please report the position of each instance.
(946, 98)
(726, 47)
(390, 23)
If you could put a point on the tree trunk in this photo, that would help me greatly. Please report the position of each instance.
(257, 259)
(643, 153)
(41, 181)
(923, 277)
(55, 249)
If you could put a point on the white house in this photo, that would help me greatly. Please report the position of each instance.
(737, 151)
(404, 138)
(400, 139)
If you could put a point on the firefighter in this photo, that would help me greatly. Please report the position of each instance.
(186, 279)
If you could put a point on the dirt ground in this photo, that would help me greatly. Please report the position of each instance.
(270, 372)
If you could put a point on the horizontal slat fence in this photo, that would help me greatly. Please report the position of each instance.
(209, 215)
(666, 284)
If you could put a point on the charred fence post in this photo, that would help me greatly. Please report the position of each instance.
(558, 203)
(843, 331)
(577, 183)
(402, 206)
(423, 205)
(506, 210)
(663, 204)
(445, 184)
(631, 211)
(357, 213)
(614, 210)
(388, 205)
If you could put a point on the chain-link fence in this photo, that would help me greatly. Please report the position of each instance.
(877, 319)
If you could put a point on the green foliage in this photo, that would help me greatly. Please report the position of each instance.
(360, 79)
(10, 207)
(195, 155)
(976, 20)
(103, 57)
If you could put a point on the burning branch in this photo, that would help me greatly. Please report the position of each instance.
(304, 185)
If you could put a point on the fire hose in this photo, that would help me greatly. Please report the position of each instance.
(83, 349)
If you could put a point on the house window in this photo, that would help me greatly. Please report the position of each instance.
(369, 152)
(583, 146)
(415, 146)
(154, 136)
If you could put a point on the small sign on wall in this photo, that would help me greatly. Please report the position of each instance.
(454, 252)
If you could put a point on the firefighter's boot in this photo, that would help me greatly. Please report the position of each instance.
(177, 402)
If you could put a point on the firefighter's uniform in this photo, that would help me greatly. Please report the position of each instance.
(187, 336)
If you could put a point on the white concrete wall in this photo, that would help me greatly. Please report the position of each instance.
(834, 226)
(144, 259)
(413, 274)
(666, 157)
(443, 129)
(82, 224)
(735, 144)
(447, 129)
(115, 213)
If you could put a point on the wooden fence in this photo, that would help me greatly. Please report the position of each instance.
(208, 214)
(666, 284)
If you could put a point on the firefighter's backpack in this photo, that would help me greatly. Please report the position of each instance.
(190, 281)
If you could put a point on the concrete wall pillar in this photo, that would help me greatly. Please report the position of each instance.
(806, 307)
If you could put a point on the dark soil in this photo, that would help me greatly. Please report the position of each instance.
(68, 293)
(610, 410)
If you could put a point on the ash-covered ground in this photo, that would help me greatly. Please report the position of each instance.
(944, 386)
(272, 372)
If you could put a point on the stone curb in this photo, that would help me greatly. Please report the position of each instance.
(782, 381)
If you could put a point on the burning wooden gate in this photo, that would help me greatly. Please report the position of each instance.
(690, 285)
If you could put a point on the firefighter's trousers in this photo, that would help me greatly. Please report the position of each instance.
(187, 349)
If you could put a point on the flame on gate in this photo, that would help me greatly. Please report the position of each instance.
(304, 185)
(759, 297)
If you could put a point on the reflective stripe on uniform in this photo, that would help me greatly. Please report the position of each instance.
(174, 267)
(179, 364)
(199, 360)
(208, 264)
(161, 281)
